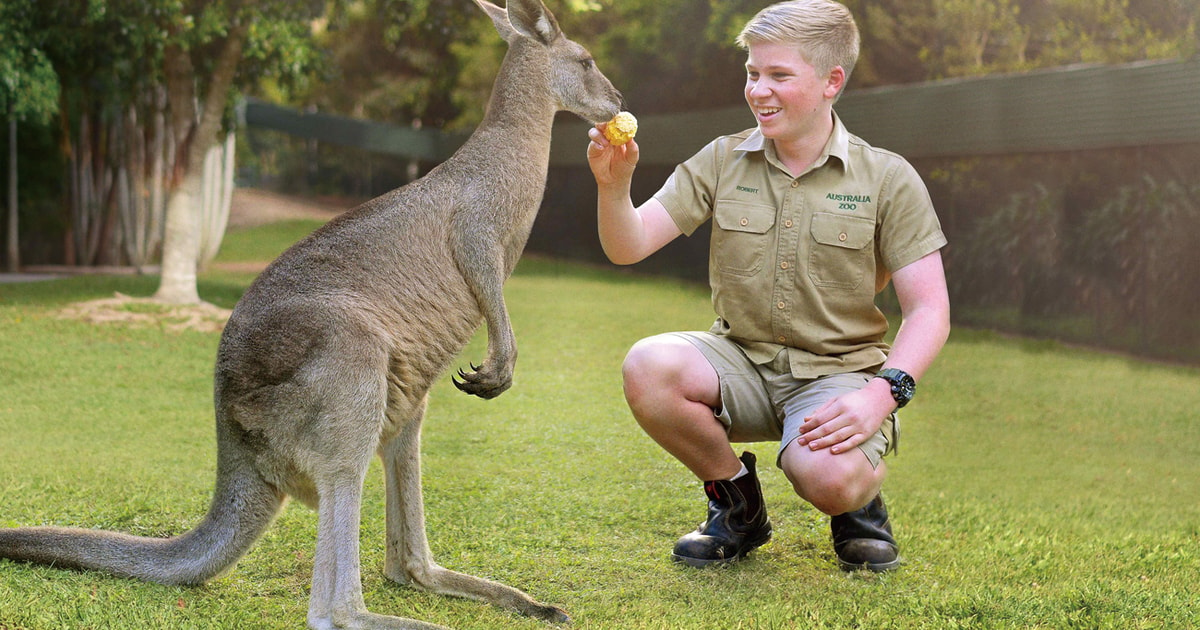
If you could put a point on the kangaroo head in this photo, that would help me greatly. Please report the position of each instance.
(578, 86)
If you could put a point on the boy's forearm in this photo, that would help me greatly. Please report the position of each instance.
(618, 223)
(919, 340)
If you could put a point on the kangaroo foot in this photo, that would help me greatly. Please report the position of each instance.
(363, 620)
(483, 382)
(434, 578)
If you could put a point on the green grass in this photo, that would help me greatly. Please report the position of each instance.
(1037, 486)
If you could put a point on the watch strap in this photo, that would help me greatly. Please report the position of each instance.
(902, 384)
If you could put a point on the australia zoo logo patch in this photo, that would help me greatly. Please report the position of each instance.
(848, 202)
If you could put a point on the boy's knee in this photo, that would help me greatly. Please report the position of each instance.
(643, 371)
(649, 363)
(831, 489)
(827, 495)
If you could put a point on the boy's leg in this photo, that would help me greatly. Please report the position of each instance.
(677, 385)
(672, 390)
(845, 486)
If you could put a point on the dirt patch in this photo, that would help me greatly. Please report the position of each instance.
(251, 206)
(148, 313)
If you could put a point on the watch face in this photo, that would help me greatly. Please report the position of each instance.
(903, 385)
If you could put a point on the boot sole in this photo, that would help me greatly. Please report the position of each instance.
(704, 562)
(874, 567)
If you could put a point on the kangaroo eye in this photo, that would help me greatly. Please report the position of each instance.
(587, 64)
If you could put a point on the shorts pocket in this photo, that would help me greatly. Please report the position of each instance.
(842, 253)
(742, 236)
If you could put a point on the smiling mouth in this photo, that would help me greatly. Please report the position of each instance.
(767, 112)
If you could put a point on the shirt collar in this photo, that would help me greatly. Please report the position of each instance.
(837, 146)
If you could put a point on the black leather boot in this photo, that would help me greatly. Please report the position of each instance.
(737, 522)
(862, 539)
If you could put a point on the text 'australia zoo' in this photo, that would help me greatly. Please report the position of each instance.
(848, 202)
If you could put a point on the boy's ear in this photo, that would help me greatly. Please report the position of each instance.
(836, 82)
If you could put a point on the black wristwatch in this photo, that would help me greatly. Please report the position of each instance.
(903, 385)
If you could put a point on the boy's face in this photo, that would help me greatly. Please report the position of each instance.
(787, 95)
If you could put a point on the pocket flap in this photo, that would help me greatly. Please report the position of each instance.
(736, 216)
(842, 231)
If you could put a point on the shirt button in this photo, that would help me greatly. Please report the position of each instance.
(781, 305)
(782, 339)
(796, 184)
(787, 223)
(784, 265)
(744, 222)
(842, 237)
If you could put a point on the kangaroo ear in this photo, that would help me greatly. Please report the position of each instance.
(532, 19)
(499, 19)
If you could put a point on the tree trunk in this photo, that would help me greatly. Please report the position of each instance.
(218, 195)
(14, 249)
(181, 241)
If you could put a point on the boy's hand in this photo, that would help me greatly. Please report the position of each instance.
(848, 420)
(610, 164)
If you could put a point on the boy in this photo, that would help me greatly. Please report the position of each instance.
(809, 224)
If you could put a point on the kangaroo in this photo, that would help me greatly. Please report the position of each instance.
(328, 357)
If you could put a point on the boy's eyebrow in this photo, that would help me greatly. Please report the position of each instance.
(750, 66)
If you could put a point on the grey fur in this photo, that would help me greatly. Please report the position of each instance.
(327, 359)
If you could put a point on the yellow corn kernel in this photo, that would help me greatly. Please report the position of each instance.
(621, 129)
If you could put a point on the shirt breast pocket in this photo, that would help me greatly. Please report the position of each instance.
(742, 236)
(841, 253)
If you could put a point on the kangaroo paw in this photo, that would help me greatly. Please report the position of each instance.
(480, 382)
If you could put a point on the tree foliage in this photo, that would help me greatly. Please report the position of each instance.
(669, 55)
(146, 87)
(917, 40)
(393, 60)
(28, 84)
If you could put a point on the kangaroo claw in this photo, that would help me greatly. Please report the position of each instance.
(479, 384)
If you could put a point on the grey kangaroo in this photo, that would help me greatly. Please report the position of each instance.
(328, 357)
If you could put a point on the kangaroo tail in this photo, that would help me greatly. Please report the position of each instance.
(243, 505)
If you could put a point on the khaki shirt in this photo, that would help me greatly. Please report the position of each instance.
(795, 262)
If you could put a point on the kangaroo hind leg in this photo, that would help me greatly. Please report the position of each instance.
(337, 599)
(409, 560)
(335, 452)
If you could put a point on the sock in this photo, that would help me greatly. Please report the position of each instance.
(741, 473)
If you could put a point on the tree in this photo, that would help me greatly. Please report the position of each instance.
(435, 60)
(148, 85)
(181, 243)
(28, 91)
(1111, 31)
(201, 57)
(403, 69)
(976, 37)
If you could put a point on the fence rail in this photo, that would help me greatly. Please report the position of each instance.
(1080, 108)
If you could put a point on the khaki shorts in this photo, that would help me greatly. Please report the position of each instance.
(761, 403)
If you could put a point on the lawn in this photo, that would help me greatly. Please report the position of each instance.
(1037, 486)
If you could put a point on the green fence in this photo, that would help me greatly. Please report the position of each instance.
(1071, 197)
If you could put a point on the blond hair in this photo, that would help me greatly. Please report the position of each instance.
(824, 32)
